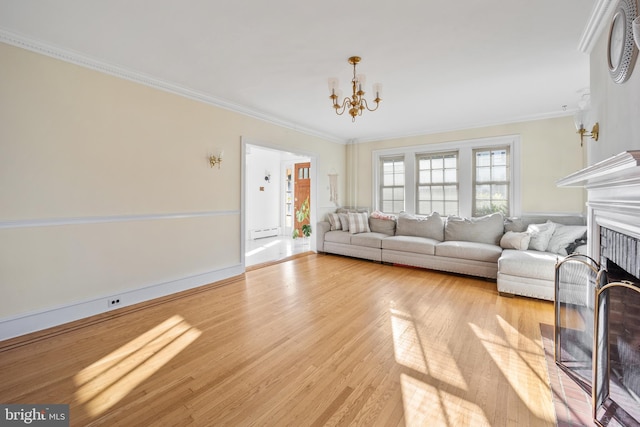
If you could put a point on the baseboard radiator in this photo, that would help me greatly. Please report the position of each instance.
(265, 232)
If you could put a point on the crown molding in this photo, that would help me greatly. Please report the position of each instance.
(82, 60)
(467, 126)
(600, 15)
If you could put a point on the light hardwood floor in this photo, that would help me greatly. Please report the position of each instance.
(318, 340)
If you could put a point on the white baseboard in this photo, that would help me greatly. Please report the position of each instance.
(16, 326)
(264, 232)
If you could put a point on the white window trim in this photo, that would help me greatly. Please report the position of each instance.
(465, 170)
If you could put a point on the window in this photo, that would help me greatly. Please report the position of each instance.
(464, 178)
(491, 181)
(392, 173)
(437, 183)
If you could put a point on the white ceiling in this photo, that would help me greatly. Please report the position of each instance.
(443, 65)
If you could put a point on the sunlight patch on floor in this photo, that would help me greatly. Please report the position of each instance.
(255, 251)
(425, 355)
(274, 248)
(426, 405)
(514, 363)
(406, 344)
(105, 382)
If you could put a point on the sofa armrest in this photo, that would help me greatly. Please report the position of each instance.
(321, 228)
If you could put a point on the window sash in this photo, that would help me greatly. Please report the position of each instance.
(491, 180)
(392, 184)
(437, 183)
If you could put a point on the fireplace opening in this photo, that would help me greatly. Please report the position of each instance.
(615, 273)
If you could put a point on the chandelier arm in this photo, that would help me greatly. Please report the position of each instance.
(366, 104)
(342, 108)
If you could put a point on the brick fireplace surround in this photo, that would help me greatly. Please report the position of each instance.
(613, 203)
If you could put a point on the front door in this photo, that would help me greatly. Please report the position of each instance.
(301, 199)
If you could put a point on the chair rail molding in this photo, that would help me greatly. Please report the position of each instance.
(50, 222)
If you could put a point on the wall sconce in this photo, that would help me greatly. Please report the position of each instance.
(581, 116)
(216, 159)
(594, 134)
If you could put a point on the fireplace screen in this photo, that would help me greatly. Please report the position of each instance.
(616, 388)
(576, 279)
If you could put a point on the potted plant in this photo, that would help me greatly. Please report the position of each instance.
(301, 215)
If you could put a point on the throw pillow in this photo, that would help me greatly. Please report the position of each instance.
(515, 240)
(334, 221)
(540, 235)
(344, 221)
(381, 215)
(563, 236)
(358, 223)
(485, 229)
(430, 226)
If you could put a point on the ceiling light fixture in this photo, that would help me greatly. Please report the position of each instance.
(356, 103)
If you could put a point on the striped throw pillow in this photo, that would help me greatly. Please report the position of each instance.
(358, 223)
(334, 220)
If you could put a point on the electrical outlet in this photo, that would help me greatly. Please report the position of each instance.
(114, 302)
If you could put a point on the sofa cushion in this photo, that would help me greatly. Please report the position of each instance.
(431, 226)
(520, 224)
(358, 223)
(371, 240)
(485, 229)
(420, 245)
(529, 263)
(540, 235)
(337, 237)
(513, 240)
(515, 224)
(386, 226)
(469, 250)
(565, 235)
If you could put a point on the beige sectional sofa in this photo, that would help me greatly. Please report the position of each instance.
(514, 251)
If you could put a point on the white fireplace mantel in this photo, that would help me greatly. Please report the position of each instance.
(613, 196)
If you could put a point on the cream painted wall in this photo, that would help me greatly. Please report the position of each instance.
(105, 185)
(615, 106)
(550, 151)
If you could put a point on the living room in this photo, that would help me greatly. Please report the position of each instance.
(108, 194)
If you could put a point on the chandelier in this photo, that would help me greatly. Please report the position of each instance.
(355, 104)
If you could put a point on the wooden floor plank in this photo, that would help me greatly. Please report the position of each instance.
(316, 340)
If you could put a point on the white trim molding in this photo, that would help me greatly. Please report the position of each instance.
(600, 15)
(51, 222)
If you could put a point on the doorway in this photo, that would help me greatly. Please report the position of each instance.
(270, 186)
(301, 200)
